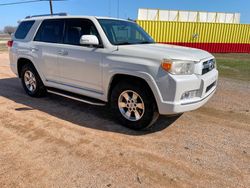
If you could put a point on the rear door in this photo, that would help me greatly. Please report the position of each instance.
(47, 45)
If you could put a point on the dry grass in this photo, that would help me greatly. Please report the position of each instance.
(3, 47)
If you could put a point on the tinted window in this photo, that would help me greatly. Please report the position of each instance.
(23, 29)
(50, 31)
(75, 28)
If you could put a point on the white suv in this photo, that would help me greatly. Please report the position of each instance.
(111, 61)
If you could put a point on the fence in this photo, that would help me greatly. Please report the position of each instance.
(213, 37)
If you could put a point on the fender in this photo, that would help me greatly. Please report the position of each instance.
(143, 75)
(31, 59)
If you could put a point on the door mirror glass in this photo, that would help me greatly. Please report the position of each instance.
(90, 40)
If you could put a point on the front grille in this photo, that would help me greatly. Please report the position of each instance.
(210, 86)
(208, 66)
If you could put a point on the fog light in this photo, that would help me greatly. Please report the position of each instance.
(190, 94)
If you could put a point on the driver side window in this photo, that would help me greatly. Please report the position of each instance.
(75, 28)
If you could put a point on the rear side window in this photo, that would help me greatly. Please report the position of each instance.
(50, 31)
(23, 29)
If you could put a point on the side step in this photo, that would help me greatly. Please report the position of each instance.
(76, 97)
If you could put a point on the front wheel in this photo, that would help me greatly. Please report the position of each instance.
(133, 105)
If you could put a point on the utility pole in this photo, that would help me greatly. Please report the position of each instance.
(51, 7)
(118, 8)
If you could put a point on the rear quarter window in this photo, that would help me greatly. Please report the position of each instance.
(23, 29)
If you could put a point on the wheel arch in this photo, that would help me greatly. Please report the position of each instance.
(145, 79)
(21, 62)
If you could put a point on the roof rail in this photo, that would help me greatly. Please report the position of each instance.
(57, 14)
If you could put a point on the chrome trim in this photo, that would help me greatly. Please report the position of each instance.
(208, 66)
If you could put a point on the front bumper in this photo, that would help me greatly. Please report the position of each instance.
(205, 85)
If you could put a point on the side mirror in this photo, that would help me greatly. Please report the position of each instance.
(91, 40)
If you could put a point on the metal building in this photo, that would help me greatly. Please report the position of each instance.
(188, 16)
(210, 35)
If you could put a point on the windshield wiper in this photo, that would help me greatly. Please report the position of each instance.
(146, 42)
(128, 43)
(124, 43)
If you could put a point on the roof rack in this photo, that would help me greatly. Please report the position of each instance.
(57, 14)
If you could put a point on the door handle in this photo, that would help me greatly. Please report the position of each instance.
(33, 49)
(62, 52)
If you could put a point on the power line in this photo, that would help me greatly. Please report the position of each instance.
(25, 2)
(19, 2)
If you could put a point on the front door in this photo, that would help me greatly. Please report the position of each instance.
(80, 66)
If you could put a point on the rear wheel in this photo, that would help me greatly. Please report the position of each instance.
(32, 82)
(133, 105)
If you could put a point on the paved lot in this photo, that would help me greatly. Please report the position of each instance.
(56, 142)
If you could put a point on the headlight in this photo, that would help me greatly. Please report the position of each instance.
(178, 66)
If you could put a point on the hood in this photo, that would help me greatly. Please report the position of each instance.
(165, 51)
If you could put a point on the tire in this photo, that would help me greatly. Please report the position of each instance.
(137, 109)
(32, 82)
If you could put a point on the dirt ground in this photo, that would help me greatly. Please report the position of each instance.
(56, 142)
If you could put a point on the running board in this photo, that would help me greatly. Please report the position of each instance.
(76, 97)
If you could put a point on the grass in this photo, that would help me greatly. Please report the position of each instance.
(3, 48)
(235, 66)
(3, 41)
(4, 38)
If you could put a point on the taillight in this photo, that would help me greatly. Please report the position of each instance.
(10, 43)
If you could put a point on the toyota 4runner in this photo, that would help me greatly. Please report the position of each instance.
(110, 61)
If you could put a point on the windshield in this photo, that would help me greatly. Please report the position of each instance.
(124, 32)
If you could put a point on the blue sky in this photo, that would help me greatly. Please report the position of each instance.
(9, 15)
